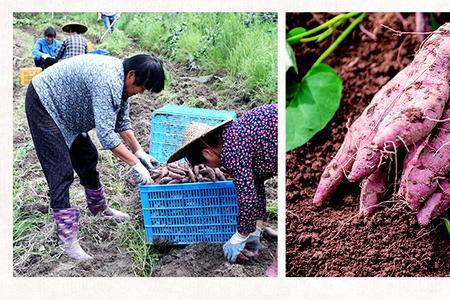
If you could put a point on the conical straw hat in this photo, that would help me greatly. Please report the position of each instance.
(193, 133)
(77, 27)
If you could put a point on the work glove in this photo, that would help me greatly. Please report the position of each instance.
(253, 243)
(146, 159)
(45, 56)
(234, 246)
(142, 173)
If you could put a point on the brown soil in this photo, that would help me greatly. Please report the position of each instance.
(206, 260)
(44, 258)
(334, 240)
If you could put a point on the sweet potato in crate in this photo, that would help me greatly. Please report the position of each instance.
(186, 210)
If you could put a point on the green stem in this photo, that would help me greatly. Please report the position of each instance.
(341, 37)
(296, 38)
(324, 34)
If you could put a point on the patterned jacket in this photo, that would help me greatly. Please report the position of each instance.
(85, 92)
(249, 153)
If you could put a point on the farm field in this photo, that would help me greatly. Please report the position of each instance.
(210, 62)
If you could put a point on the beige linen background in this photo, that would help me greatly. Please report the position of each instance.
(192, 288)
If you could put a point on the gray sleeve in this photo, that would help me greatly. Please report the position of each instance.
(105, 120)
(123, 118)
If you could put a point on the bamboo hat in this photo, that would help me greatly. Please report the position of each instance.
(75, 27)
(193, 133)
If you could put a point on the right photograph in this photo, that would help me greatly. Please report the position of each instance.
(368, 144)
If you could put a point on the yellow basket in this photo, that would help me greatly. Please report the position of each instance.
(26, 74)
(90, 46)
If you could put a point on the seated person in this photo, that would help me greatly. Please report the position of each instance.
(44, 50)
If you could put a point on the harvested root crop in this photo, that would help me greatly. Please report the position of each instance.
(182, 173)
(410, 112)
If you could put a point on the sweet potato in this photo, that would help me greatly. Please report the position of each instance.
(402, 112)
(176, 169)
(219, 174)
(372, 192)
(413, 115)
(433, 162)
(165, 180)
(191, 175)
(175, 175)
(409, 163)
(358, 137)
(208, 173)
(436, 205)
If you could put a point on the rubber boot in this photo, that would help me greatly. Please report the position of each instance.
(96, 202)
(66, 220)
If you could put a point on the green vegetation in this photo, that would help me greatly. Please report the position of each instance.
(447, 224)
(144, 257)
(240, 47)
(315, 99)
(272, 210)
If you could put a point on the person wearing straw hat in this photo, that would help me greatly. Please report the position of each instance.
(75, 43)
(247, 149)
(68, 100)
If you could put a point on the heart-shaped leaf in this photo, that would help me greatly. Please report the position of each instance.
(315, 100)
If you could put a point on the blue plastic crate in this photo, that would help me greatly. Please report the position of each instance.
(170, 121)
(188, 213)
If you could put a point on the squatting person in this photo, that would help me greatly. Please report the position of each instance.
(44, 50)
(247, 148)
(66, 101)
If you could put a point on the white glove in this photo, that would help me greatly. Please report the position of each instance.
(234, 246)
(45, 55)
(146, 159)
(142, 173)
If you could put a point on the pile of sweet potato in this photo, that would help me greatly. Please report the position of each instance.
(183, 173)
(410, 113)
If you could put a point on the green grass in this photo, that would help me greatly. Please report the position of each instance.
(133, 239)
(240, 46)
(220, 43)
(115, 42)
(272, 210)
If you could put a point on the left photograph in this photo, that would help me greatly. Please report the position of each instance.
(145, 144)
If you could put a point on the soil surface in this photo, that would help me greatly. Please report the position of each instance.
(334, 240)
(43, 257)
(206, 260)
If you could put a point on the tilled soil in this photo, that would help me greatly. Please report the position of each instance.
(206, 260)
(334, 240)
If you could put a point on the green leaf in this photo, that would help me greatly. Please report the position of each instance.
(447, 224)
(295, 31)
(290, 58)
(434, 24)
(314, 102)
